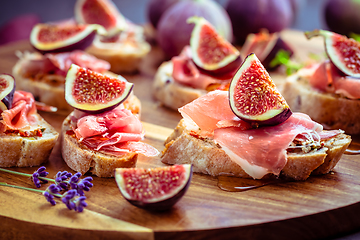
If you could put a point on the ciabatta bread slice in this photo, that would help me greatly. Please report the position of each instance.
(18, 151)
(331, 110)
(184, 146)
(170, 93)
(124, 57)
(82, 159)
(50, 90)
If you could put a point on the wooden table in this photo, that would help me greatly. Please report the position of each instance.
(316, 208)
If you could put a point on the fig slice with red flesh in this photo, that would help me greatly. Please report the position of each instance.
(343, 52)
(254, 97)
(155, 189)
(93, 92)
(102, 12)
(7, 89)
(210, 51)
(265, 45)
(48, 37)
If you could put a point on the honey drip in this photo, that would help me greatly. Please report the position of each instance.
(353, 149)
(234, 184)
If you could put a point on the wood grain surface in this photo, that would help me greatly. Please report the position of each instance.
(319, 207)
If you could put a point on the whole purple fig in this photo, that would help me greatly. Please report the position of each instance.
(252, 16)
(342, 16)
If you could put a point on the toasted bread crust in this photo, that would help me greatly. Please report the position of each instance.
(207, 157)
(55, 95)
(42, 92)
(331, 110)
(82, 159)
(17, 151)
(170, 93)
(121, 60)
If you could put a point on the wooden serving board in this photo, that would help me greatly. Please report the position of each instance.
(316, 208)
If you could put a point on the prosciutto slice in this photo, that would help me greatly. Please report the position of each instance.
(186, 72)
(115, 132)
(263, 150)
(208, 110)
(258, 151)
(35, 64)
(326, 77)
(22, 114)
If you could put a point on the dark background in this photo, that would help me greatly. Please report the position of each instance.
(310, 15)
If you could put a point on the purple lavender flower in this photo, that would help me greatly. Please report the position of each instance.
(61, 178)
(39, 173)
(74, 180)
(74, 201)
(84, 185)
(50, 192)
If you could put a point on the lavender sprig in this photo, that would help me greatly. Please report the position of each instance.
(74, 201)
(37, 177)
(74, 198)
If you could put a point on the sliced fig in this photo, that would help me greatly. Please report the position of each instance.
(155, 189)
(254, 97)
(343, 52)
(265, 45)
(90, 91)
(48, 37)
(210, 51)
(102, 12)
(7, 89)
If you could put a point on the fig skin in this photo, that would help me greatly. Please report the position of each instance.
(252, 16)
(230, 60)
(99, 106)
(342, 16)
(80, 45)
(81, 40)
(156, 8)
(225, 72)
(348, 67)
(257, 93)
(280, 45)
(173, 32)
(278, 119)
(7, 101)
(156, 206)
(273, 42)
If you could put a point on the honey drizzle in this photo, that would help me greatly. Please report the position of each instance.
(353, 149)
(234, 184)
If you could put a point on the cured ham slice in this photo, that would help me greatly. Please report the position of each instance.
(22, 115)
(63, 61)
(327, 78)
(115, 132)
(208, 110)
(258, 151)
(35, 64)
(264, 148)
(186, 72)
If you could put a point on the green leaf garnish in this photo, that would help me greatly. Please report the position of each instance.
(355, 36)
(283, 58)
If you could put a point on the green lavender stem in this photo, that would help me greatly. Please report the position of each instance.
(25, 174)
(25, 188)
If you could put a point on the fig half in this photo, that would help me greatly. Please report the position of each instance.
(47, 38)
(265, 45)
(155, 189)
(7, 89)
(343, 52)
(254, 97)
(102, 12)
(210, 51)
(90, 91)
